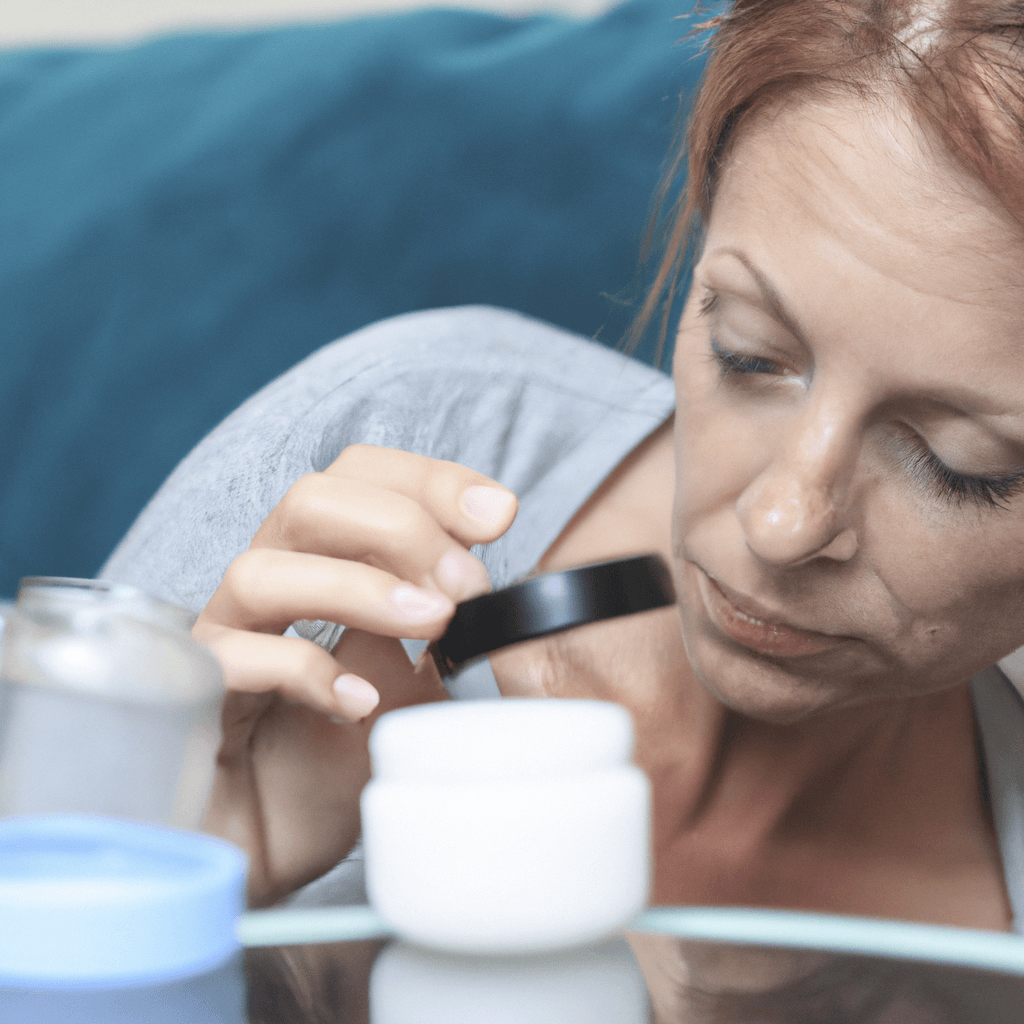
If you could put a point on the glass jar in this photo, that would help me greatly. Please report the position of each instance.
(107, 706)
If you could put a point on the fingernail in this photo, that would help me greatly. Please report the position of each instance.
(488, 504)
(419, 605)
(355, 695)
(460, 575)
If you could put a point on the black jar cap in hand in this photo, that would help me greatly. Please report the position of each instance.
(551, 603)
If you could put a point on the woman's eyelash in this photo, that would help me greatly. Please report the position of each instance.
(708, 303)
(728, 361)
(737, 362)
(960, 488)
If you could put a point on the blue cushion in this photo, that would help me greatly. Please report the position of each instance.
(184, 219)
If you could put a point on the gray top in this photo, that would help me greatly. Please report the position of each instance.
(546, 413)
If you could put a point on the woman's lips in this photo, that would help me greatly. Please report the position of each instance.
(761, 635)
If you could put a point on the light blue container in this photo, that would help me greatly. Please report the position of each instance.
(104, 920)
(216, 997)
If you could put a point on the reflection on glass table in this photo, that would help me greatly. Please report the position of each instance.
(687, 966)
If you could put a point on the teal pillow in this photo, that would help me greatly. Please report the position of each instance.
(184, 219)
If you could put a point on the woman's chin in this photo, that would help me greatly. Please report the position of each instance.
(761, 705)
(763, 689)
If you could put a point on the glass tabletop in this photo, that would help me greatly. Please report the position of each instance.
(679, 966)
(675, 966)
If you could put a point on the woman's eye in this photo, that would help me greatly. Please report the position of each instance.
(963, 488)
(736, 362)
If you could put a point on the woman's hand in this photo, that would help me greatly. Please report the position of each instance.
(379, 543)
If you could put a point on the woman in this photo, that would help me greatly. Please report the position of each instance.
(838, 493)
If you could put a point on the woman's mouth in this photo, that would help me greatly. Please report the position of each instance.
(759, 634)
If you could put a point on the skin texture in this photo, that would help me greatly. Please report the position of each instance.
(804, 713)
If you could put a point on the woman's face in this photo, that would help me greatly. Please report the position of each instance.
(849, 515)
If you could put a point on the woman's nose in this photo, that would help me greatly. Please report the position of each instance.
(797, 509)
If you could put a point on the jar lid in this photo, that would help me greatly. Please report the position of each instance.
(514, 738)
(93, 902)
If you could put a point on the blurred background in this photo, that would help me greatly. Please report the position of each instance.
(196, 194)
(30, 22)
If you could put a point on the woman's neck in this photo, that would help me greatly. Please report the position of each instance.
(840, 764)
(877, 810)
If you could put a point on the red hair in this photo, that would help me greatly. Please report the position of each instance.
(957, 66)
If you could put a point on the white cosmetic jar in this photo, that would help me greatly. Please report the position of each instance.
(506, 826)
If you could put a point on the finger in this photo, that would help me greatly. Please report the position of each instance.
(359, 521)
(296, 669)
(472, 508)
(265, 590)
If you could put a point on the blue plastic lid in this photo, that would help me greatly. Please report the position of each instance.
(88, 901)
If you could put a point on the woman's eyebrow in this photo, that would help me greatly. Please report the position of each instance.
(770, 294)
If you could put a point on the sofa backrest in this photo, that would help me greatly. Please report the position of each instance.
(183, 219)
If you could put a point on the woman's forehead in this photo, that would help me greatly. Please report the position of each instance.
(861, 175)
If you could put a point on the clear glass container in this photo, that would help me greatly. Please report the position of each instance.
(107, 705)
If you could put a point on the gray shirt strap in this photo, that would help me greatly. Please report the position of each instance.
(1000, 714)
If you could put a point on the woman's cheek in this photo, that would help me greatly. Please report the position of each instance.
(957, 582)
(938, 563)
(719, 452)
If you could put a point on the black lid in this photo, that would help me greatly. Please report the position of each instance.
(551, 603)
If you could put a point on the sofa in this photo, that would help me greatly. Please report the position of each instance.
(184, 218)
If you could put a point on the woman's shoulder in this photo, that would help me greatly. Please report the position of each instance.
(448, 354)
(399, 376)
(510, 396)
